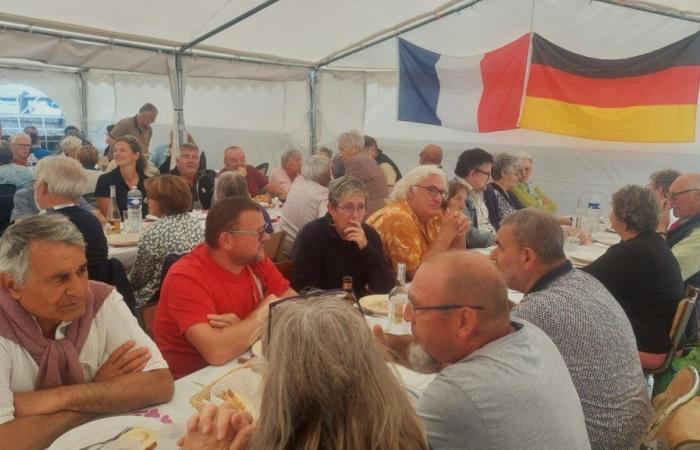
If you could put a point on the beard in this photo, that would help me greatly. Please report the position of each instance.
(421, 361)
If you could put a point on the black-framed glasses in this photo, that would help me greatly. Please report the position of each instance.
(488, 174)
(433, 191)
(673, 195)
(413, 308)
(259, 233)
(340, 294)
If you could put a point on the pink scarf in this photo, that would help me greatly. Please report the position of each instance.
(58, 360)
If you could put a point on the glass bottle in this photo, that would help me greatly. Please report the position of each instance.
(113, 216)
(398, 297)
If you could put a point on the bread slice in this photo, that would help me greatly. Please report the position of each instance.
(138, 438)
(233, 401)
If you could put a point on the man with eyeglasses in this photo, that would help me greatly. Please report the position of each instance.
(474, 172)
(585, 322)
(414, 226)
(214, 301)
(491, 370)
(684, 234)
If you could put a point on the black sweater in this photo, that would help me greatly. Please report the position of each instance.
(95, 241)
(321, 259)
(644, 277)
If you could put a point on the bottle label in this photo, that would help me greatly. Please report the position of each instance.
(134, 202)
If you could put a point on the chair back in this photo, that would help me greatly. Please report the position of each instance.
(7, 203)
(262, 168)
(274, 245)
(684, 310)
(146, 313)
(681, 391)
(285, 268)
(112, 272)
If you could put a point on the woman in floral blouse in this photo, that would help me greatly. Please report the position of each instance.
(176, 231)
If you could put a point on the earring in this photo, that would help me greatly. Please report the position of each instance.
(331, 222)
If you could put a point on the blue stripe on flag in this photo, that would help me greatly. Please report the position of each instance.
(419, 86)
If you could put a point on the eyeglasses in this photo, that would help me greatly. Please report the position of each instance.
(488, 174)
(433, 191)
(260, 233)
(340, 294)
(21, 145)
(673, 195)
(349, 208)
(412, 308)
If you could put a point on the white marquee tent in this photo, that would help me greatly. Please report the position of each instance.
(298, 72)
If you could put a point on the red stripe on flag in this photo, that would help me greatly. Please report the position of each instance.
(672, 86)
(503, 76)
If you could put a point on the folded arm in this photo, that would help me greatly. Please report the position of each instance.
(37, 432)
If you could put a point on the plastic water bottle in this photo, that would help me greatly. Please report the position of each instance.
(593, 214)
(31, 161)
(134, 200)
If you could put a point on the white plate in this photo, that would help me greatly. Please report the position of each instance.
(584, 255)
(246, 384)
(257, 348)
(123, 239)
(605, 238)
(376, 304)
(103, 429)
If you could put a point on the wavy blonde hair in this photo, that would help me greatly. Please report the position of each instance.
(328, 386)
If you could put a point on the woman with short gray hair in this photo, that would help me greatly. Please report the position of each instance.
(498, 195)
(340, 245)
(641, 272)
(286, 173)
(306, 200)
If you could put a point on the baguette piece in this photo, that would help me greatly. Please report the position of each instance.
(138, 438)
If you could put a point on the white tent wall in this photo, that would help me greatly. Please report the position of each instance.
(565, 167)
(64, 88)
(264, 117)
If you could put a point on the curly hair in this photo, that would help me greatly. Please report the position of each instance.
(637, 207)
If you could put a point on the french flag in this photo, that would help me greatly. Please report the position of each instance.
(474, 93)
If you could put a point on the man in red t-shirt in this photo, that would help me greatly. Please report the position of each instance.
(234, 161)
(214, 300)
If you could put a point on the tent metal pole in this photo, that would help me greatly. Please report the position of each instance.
(397, 33)
(83, 101)
(640, 7)
(179, 135)
(228, 24)
(313, 83)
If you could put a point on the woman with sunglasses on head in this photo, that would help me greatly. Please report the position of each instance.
(339, 244)
(129, 173)
(320, 390)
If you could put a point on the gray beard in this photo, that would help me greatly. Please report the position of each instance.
(421, 361)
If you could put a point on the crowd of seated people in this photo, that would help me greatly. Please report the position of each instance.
(575, 346)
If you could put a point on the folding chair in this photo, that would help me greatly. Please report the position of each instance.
(684, 310)
(274, 245)
(675, 425)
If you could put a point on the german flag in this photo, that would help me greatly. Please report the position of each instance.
(646, 98)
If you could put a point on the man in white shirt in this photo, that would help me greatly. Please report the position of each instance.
(307, 199)
(69, 347)
(286, 173)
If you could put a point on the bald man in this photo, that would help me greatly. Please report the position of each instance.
(684, 235)
(492, 370)
(431, 154)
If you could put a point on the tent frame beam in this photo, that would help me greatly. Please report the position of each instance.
(640, 6)
(412, 26)
(227, 25)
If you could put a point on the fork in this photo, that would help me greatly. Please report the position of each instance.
(103, 443)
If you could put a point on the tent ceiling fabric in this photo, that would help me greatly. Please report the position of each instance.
(302, 30)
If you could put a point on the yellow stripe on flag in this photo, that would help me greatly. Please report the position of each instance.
(649, 123)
